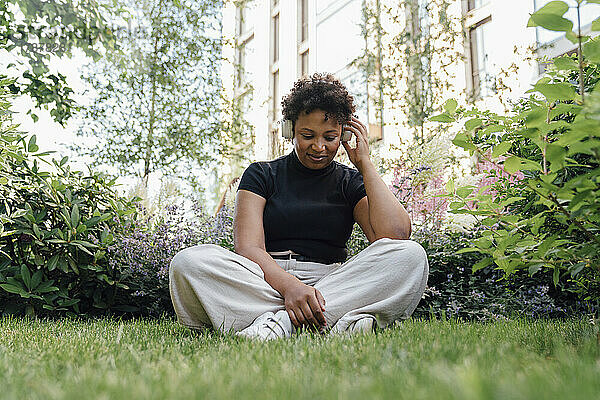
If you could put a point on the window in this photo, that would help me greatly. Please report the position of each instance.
(304, 63)
(245, 34)
(275, 95)
(244, 52)
(274, 64)
(473, 4)
(424, 20)
(275, 38)
(302, 66)
(302, 21)
(481, 79)
(242, 16)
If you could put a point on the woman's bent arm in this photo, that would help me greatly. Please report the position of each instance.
(249, 238)
(305, 305)
(380, 214)
(380, 210)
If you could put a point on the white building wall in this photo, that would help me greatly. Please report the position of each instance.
(339, 40)
(259, 65)
(335, 39)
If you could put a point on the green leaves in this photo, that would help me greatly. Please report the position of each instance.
(450, 106)
(31, 146)
(464, 141)
(179, 119)
(556, 156)
(542, 209)
(52, 263)
(501, 149)
(55, 229)
(32, 37)
(554, 8)
(591, 50)
(473, 124)
(25, 275)
(75, 216)
(441, 118)
(551, 22)
(565, 63)
(551, 17)
(556, 91)
(514, 164)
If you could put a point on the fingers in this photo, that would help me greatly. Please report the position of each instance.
(317, 311)
(359, 126)
(309, 315)
(346, 146)
(299, 316)
(321, 299)
(293, 318)
(357, 121)
(305, 305)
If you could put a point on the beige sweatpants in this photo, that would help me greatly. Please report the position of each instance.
(212, 286)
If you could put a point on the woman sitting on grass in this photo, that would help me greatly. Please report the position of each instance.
(293, 217)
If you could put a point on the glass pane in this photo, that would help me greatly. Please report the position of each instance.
(304, 63)
(483, 81)
(303, 20)
(323, 4)
(245, 60)
(341, 35)
(477, 3)
(276, 38)
(423, 16)
(275, 95)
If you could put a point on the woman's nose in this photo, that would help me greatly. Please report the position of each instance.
(319, 145)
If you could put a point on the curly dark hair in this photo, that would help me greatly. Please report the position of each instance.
(319, 91)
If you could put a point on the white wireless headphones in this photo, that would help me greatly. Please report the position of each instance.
(287, 131)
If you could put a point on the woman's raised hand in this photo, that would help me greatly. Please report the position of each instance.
(359, 154)
(305, 305)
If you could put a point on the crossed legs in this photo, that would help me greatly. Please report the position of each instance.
(211, 286)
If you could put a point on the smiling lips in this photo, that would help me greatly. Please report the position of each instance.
(316, 158)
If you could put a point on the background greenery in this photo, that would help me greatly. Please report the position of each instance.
(542, 212)
(70, 244)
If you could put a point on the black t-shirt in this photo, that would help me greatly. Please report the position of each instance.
(307, 211)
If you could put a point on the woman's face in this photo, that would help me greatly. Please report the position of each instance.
(316, 139)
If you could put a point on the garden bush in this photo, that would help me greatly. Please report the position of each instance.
(56, 225)
(453, 291)
(543, 211)
(146, 250)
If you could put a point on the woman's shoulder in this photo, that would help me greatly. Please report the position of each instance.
(271, 165)
(346, 170)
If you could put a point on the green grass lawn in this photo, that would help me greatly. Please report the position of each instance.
(415, 360)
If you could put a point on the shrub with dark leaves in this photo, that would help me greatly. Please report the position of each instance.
(453, 290)
(146, 251)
